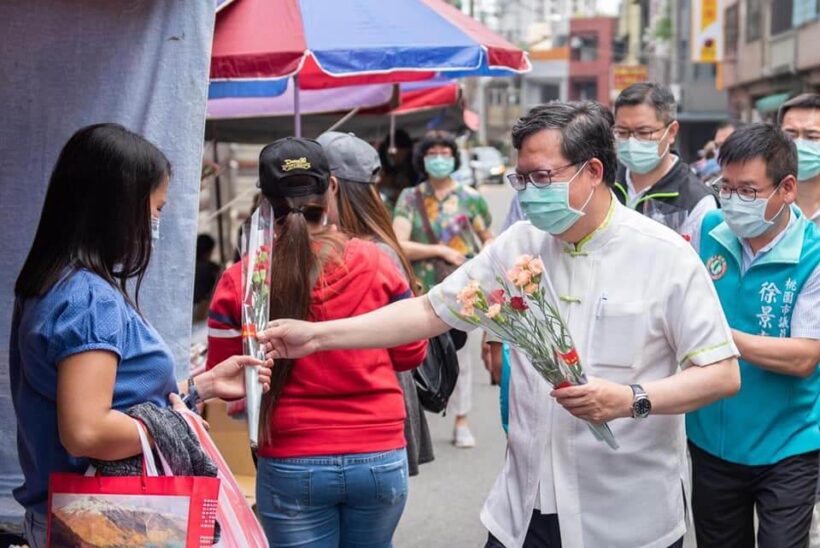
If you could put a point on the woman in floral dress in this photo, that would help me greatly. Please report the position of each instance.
(441, 224)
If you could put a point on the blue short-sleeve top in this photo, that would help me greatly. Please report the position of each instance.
(81, 313)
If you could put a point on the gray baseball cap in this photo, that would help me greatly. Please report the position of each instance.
(350, 158)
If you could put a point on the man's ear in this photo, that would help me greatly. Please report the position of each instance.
(674, 127)
(788, 189)
(595, 168)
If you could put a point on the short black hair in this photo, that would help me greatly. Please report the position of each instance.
(432, 139)
(586, 132)
(764, 141)
(653, 94)
(204, 245)
(805, 100)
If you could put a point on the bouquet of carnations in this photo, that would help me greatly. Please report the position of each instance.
(257, 241)
(520, 313)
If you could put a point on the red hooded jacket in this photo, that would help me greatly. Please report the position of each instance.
(336, 402)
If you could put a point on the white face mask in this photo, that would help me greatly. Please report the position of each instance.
(154, 229)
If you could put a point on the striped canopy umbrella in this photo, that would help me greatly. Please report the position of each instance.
(259, 44)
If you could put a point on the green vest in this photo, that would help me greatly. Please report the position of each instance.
(774, 416)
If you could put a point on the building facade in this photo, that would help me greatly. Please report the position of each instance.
(591, 45)
(548, 79)
(656, 34)
(772, 52)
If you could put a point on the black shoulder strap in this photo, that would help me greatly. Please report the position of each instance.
(425, 220)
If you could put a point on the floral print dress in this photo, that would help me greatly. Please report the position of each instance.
(456, 219)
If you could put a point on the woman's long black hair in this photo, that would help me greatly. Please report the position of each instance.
(96, 213)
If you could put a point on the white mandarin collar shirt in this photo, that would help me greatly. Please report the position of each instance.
(639, 305)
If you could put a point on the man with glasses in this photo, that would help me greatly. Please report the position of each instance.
(653, 180)
(646, 322)
(759, 449)
(800, 119)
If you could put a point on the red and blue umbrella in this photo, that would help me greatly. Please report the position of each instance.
(330, 43)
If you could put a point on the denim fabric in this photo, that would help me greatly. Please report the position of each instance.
(346, 500)
(35, 529)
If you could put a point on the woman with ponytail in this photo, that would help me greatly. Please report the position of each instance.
(360, 212)
(332, 464)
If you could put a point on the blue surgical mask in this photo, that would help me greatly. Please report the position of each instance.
(548, 208)
(154, 229)
(747, 219)
(439, 167)
(808, 159)
(640, 156)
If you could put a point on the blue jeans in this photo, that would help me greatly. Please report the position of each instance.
(345, 500)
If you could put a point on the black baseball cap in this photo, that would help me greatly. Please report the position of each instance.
(293, 167)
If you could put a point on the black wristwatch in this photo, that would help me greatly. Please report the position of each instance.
(641, 406)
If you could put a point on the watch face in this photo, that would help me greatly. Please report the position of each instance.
(642, 407)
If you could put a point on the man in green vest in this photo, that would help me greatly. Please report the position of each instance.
(758, 450)
(800, 119)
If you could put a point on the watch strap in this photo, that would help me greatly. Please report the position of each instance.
(191, 399)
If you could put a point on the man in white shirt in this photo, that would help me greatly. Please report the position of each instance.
(647, 324)
(654, 180)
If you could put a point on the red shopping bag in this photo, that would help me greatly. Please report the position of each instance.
(147, 510)
(239, 526)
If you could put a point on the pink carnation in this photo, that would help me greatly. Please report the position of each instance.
(523, 261)
(468, 295)
(524, 278)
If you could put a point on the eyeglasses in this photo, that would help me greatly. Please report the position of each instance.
(540, 178)
(744, 193)
(623, 133)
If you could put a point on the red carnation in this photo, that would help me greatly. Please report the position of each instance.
(570, 357)
(497, 297)
(517, 303)
(563, 384)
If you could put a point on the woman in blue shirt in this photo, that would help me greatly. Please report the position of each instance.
(80, 351)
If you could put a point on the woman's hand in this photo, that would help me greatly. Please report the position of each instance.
(227, 379)
(451, 255)
(289, 339)
(179, 406)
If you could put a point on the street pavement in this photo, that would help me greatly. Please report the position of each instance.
(445, 499)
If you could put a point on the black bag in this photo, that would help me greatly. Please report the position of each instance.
(459, 338)
(436, 378)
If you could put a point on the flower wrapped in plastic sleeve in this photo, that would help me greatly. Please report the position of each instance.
(256, 245)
